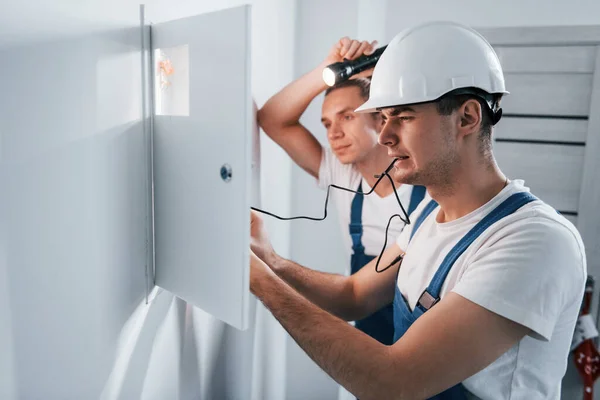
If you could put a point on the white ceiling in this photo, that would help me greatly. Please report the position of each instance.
(23, 21)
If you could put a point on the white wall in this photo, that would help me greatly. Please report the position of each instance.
(74, 193)
(73, 321)
(401, 14)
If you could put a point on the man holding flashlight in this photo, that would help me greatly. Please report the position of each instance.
(352, 162)
(488, 290)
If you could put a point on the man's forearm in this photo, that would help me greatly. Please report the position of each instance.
(352, 358)
(287, 106)
(331, 292)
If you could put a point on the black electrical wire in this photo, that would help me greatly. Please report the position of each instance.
(406, 218)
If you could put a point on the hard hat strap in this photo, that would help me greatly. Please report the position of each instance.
(490, 100)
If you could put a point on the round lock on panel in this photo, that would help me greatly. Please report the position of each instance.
(226, 172)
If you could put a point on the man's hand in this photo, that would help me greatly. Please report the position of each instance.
(259, 240)
(258, 272)
(349, 49)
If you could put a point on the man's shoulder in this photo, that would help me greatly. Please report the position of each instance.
(541, 217)
(545, 239)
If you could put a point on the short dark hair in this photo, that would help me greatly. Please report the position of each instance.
(452, 101)
(363, 85)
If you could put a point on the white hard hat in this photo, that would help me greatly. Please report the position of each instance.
(425, 62)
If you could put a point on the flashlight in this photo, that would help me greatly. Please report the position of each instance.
(340, 71)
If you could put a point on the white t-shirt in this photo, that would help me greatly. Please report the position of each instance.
(529, 267)
(376, 210)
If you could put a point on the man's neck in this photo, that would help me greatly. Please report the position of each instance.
(472, 188)
(374, 164)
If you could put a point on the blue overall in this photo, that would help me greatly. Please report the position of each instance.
(404, 317)
(379, 325)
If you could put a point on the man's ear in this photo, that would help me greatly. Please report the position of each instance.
(470, 115)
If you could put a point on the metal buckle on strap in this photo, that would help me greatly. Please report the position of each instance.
(355, 228)
(426, 301)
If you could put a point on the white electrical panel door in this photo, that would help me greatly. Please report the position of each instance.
(202, 160)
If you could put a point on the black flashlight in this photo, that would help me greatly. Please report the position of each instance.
(340, 71)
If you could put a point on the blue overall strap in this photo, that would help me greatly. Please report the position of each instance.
(356, 228)
(417, 194)
(424, 214)
(508, 206)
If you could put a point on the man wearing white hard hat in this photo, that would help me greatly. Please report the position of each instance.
(352, 161)
(491, 278)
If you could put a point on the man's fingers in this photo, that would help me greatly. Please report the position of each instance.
(352, 53)
(363, 48)
(372, 48)
(345, 45)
